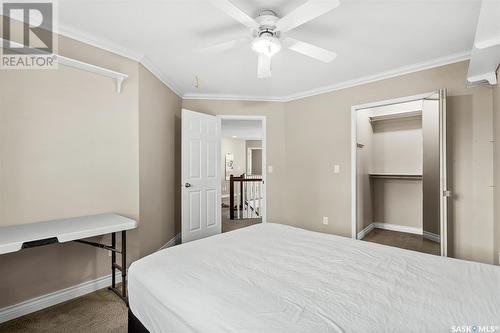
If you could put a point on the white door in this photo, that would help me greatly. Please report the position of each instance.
(444, 189)
(201, 175)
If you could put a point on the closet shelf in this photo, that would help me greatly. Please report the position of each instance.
(395, 176)
(398, 115)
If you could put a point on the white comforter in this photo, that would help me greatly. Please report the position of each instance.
(275, 278)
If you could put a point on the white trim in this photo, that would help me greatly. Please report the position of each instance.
(222, 97)
(102, 44)
(121, 51)
(142, 58)
(397, 227)
(366, 231)
(264, 155)
(431, 236)
(174, 241)
(150, 66)
(63, 295)
(442, 61)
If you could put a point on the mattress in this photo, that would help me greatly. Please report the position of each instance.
(276, 278)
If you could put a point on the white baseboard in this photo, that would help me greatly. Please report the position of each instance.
(174, 241)
(396, 227)
(365, 231)
(63, 295)
(432, 237)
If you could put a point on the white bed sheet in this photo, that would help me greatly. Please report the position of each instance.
(276, 278)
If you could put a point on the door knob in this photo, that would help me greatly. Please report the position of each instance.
(187, 185)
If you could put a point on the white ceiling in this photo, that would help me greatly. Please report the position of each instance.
(371, 38)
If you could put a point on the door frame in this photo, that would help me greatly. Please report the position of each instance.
(354, 129)
(264, 155)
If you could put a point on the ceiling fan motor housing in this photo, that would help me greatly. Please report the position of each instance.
(267, 22)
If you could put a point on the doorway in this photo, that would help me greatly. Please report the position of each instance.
(243, 162)
(399, 173)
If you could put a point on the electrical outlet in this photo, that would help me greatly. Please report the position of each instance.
(325, 220)
(336, 168)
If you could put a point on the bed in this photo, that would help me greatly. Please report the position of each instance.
(276, 278)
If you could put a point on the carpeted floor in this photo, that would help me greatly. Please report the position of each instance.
(230, 225)
(100, 311)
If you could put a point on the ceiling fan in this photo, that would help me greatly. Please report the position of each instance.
(267, 30)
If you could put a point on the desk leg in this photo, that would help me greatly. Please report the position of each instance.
(124, 264)
(122, 268)
(113, 259)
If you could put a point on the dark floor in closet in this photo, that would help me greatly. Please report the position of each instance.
(403, 240)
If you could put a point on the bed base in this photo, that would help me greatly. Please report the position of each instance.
(134, 324)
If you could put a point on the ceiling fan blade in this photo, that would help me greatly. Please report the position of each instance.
(233, 11)
(264, 67)
(224, 46)
(306, 12)
(310, 50)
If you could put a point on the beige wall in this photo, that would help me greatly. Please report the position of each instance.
(391, 146)
(237, 148)
(159, 137)
(496, 117)
(275, 145)
(364, 157)
(70, 145)
(398, 202)
(318, 129)
(76, 147)
(315, 133)
(256, 158)
(431, 167)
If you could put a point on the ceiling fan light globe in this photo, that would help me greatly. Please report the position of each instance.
(267, 45)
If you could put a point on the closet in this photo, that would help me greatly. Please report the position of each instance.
(398, 172)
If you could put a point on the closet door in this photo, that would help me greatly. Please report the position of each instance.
(434, 186)
(445, 191)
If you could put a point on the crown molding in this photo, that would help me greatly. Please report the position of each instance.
(154, 69)
(102, 44)
(150, 66)
(442, 61)
(438, 62)
(222, 97)
(121, 51)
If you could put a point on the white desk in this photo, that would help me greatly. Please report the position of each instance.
(17, 237)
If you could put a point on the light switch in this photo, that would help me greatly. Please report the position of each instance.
(336, 168)
(269, 169)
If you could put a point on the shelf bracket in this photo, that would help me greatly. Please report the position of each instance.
(119, 83)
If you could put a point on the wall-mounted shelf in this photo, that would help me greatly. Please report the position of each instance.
(395, 176)
(398, 115)
(65, 61)
(116, 76)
